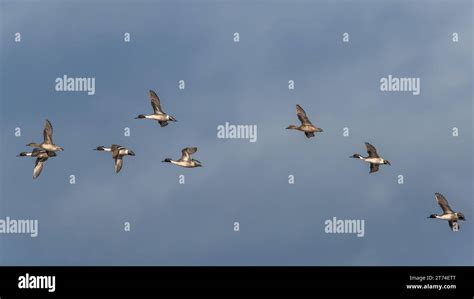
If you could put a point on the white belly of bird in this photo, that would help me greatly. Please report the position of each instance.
(49, 147)
(447, 217)
(374, 160)
(183, 163)
(160, 117)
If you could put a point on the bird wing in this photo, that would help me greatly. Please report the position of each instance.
(155, 102)
(374, 167)
(48, 133)
(452, 224)
(118, 164)
(371, 150)
(163, 123)
(38, 167)
(115, 149)
(187, 152)
(302, 116)
(443, 203)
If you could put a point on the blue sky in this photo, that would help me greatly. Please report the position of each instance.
(240, 83)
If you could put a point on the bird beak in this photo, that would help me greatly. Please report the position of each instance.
(131, 153)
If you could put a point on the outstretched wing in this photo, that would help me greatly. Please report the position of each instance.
(118, 164)
(155, 102)
(371, 150)
(443, 203)
(302, 115)
(38, 167)
(48, 133)
(374, 167)
(163, 123)
(187, 152)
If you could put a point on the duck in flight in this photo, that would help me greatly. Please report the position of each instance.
(158, 113)
(306, 126)
(373, 158)
(118, 152)
(41, 157)
(47, 144)
(448, 214)
(185, 160)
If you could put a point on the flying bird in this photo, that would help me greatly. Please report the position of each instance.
(306, 126)
(185, 160)
(41, 157)
(47, 144)
(158, 114)
(448, 214)
(373, 158)
(118, 152)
